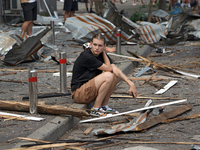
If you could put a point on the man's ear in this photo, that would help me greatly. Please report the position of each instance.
(90, 43)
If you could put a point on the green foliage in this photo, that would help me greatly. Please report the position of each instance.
(138, 15)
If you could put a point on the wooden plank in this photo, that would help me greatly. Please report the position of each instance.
(164, 116)
(132, 111)
(8, 73)
(44, 109)
(193, 116)
(29, 139)
(88, 130)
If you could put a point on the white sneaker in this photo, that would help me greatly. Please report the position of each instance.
(67, 30)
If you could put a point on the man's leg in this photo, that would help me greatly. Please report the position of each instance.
(105, 84)
(66, 15)
(86, 5)
(91, 5)
(24, 28)
(29, 29)
(72, 13)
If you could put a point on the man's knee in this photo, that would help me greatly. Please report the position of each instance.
(110, 76)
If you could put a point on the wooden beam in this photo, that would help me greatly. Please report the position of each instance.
(162, 117)
(43, 109)
(8, 73)
(193, 116)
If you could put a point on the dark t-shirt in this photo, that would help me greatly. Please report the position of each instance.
(85, 68)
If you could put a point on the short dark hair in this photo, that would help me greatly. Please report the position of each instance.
(99, 36)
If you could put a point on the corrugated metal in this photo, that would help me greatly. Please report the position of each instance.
(131, 126)
(18, 53)
(151, 33)
(83, 28)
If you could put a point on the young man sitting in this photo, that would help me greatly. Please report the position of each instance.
(95, 77)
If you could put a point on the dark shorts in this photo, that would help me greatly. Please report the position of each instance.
(70, 5)
(86, 93)
(30, 11)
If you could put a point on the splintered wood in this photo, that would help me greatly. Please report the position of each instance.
(164, 116)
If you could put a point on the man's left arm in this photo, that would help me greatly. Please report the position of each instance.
(122, 76)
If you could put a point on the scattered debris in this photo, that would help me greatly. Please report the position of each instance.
(128, 126)
(128, 112)
(142, 71)
(166, 87)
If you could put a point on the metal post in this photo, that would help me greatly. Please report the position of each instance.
(118, 34)
(63, 70)
(33, 99)
(53, 33)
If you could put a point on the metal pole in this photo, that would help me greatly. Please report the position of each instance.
(118, 34)
(47, 8)
(33, 100)
(63, 70)
(53, 33)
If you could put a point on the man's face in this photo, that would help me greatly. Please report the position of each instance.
(97, 46)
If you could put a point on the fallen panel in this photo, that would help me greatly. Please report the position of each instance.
(84, 26)
(118, 19)
(151, 33)
(164, 116)
(19, 53)
(127, 126)
(166, 87)
(159, 16)
(181, 19)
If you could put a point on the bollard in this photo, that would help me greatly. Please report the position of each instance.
(63, 70)
(53, 33)
(118, 34)
(33, 99)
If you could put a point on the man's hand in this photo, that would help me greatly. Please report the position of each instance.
(110, 50)
(133, 91)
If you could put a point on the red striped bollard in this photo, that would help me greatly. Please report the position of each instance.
(118, 44)
(63, 71)
(33, 98)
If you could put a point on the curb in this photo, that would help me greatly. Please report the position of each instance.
(56, 128)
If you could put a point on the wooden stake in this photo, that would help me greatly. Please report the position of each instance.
(88, 130)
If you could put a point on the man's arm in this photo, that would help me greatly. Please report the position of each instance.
(106, 65)
(122, 76)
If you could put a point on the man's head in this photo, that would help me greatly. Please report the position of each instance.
(97, 44)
